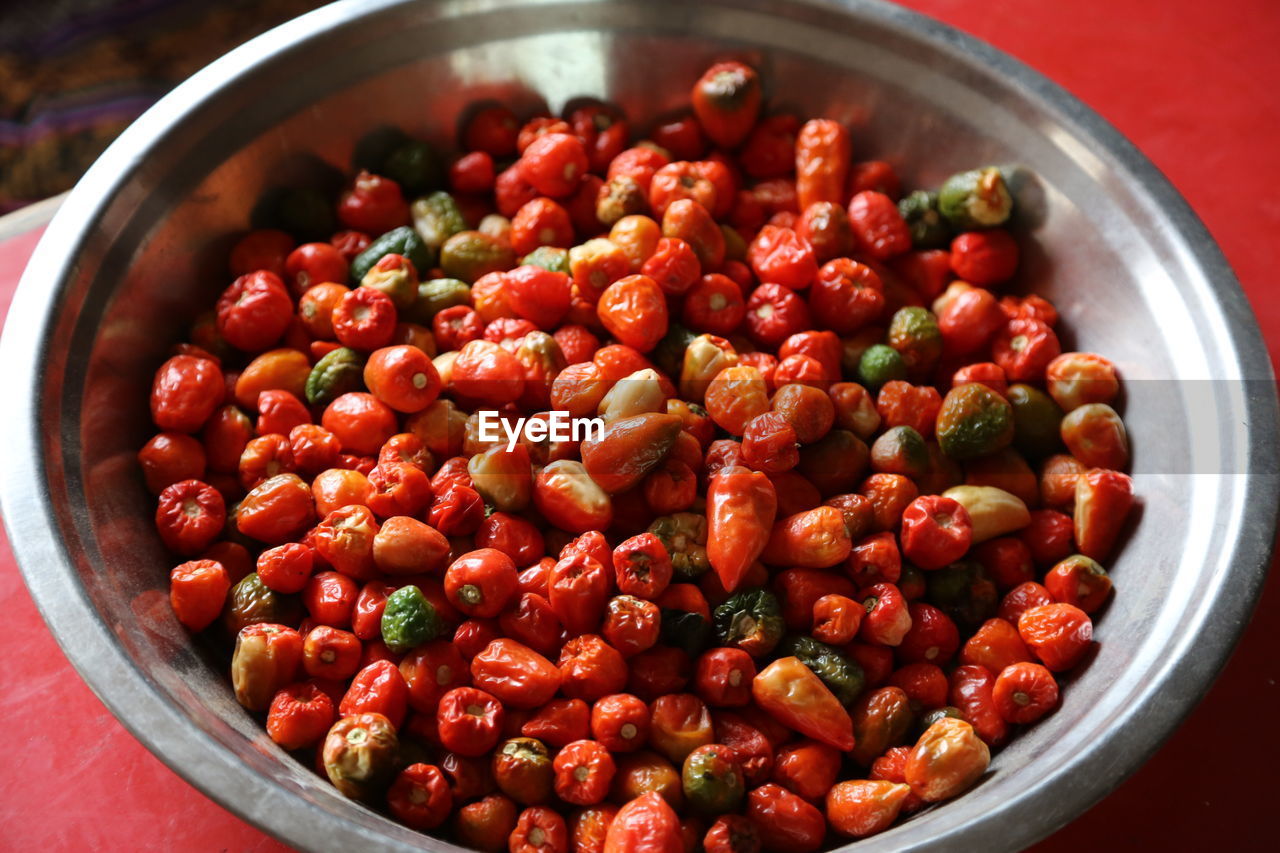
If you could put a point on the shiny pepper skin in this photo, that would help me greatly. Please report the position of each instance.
(936, 531)
(823, 150)
(629, 449)
(1102, 501)
(584, 771)
(948, 758)
(266, 658)
(813, 539)
(712, 779)
(185, 393)
(480, 583)
(790, 692)
(517, 675)
(1059, 634)
(197, 590)
(726, 100)
(469, 721)
(859, 808)
(786, 822)
(741, 505)
(642, 566)
(189, 516)
(645, 825)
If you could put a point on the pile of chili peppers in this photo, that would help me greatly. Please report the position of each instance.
(837, 540)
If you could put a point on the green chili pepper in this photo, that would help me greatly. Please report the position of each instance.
(911, 582)
(900, 450)
(251, 602)
(409, 620)
(929, 230)
(336, 373)
(684, 535)
(436, 218)
(712, 780)
(435, 295)
(964, 592)
(307, 214)
(750, 620)
(735, 248)
(978, 198)
(399, 241)
(1036, 421)
(415, 166)
(683, 630)
(914, 333)
(470, 254)
(928, 718)
(974, 421)
(551, 258)
(304, 212)
(373, 149)
(399, 284)
(843, 677)
(880, 364)
(669, 353)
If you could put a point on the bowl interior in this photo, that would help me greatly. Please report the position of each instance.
(141, 249)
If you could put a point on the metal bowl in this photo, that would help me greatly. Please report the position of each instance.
(140, 247)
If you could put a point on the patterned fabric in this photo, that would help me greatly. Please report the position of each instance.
(74, 73)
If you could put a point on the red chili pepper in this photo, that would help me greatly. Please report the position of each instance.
(814, 539)
(189, 516)
(515, 673)
(741, 505)
(420, 797)
(823, 151)
(378, 688)
(785, 821)
(726, 100)
(792, 694)
(1103, 501)
(480, 583)
(971, 692)
(936, 531)
(559, 722)
(578, 588)
(590, 668)
(584, 770)
(645, 825)
(430, 671)
(197, 591)
(469, 721)
(642, 566)
(631, 625)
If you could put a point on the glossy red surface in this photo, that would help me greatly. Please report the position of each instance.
(1193, 84)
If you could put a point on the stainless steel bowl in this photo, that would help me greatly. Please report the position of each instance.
(140, 246)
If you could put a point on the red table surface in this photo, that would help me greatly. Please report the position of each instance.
(1193, 84)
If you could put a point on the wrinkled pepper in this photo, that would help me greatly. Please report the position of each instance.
(813, 539)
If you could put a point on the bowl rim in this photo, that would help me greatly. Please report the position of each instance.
(90, 645)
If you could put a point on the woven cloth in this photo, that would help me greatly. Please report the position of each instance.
(74, 73)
